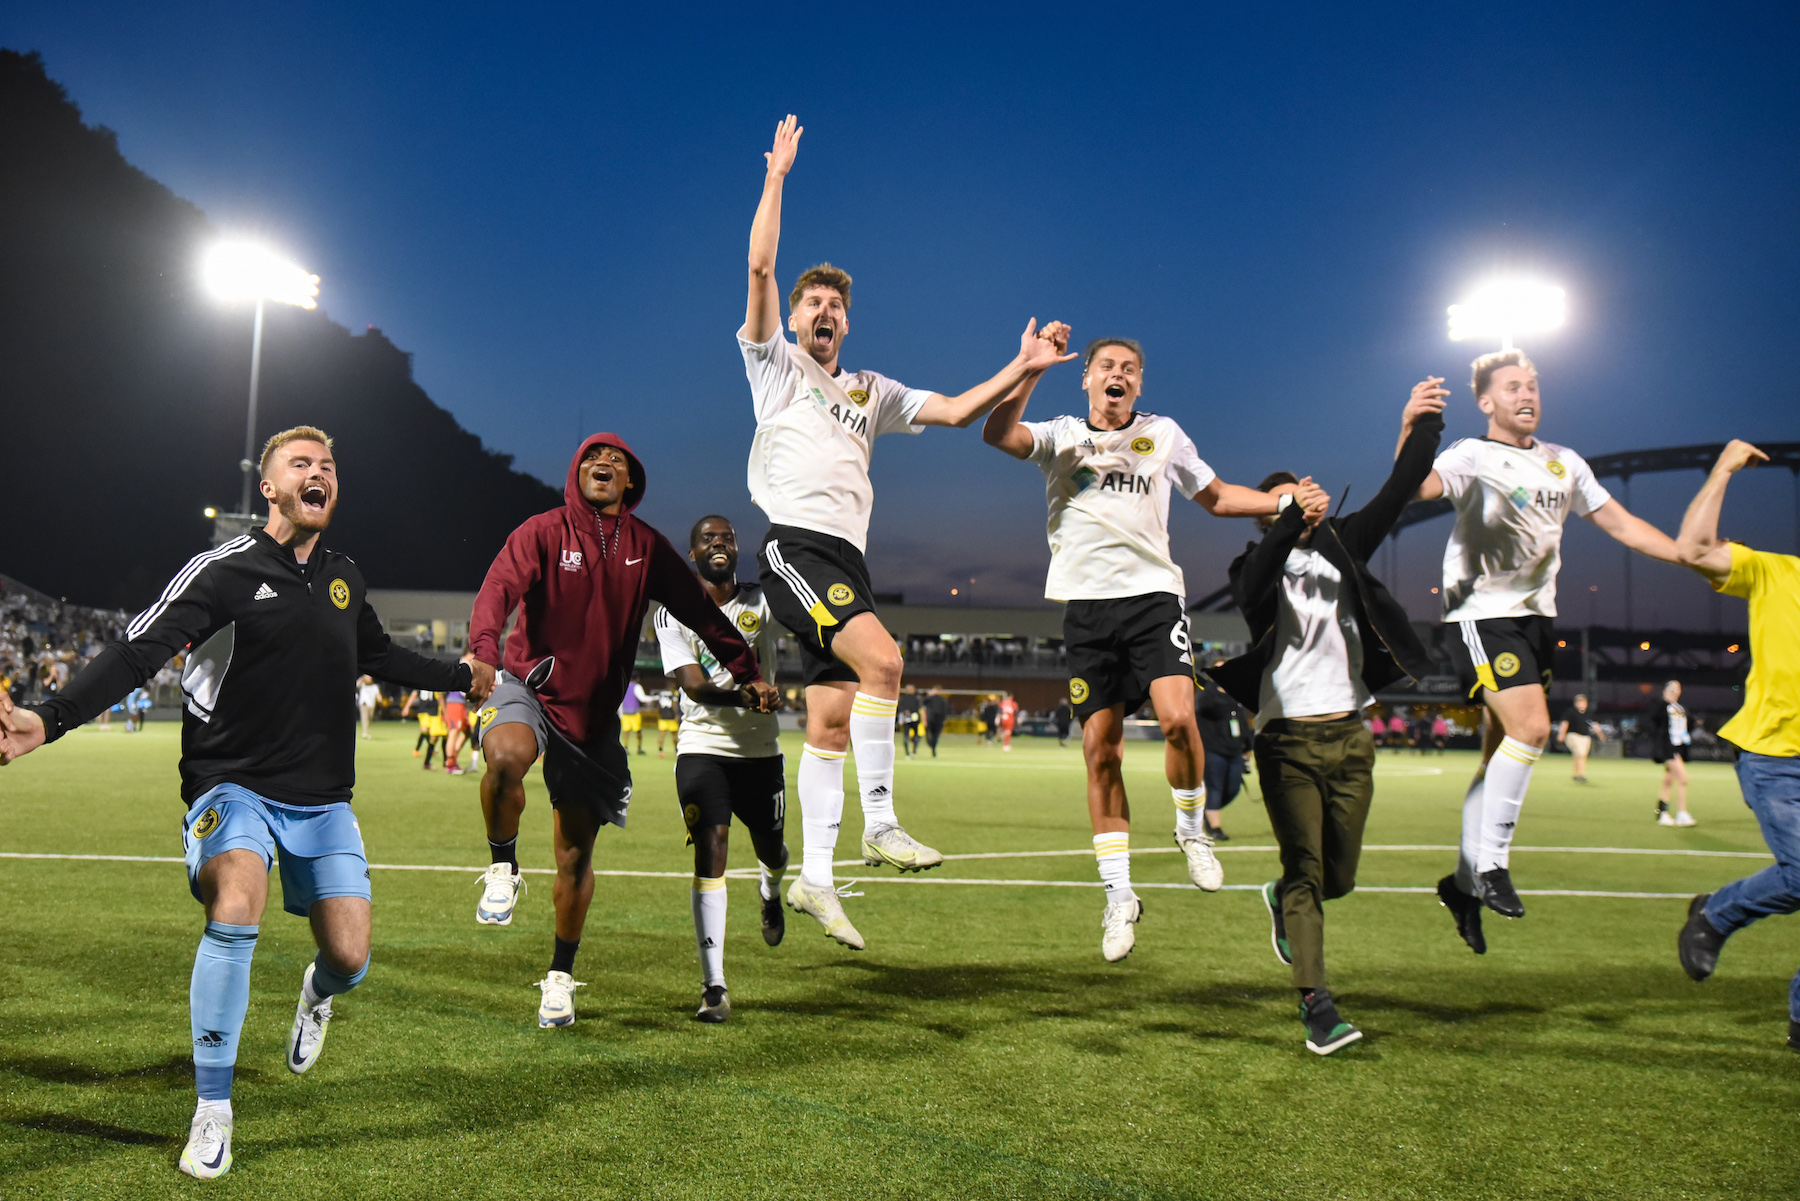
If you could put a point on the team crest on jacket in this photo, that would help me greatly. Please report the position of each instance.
(748, 622)
(1078, 690)
(1143, 446)
(839, 594)
(858, 397)
(340, 594)
(205, 824)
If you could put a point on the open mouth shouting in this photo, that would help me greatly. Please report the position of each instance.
(1116, 391)
(824, 334)
(315, 499)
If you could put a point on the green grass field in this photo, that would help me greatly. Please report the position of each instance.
(979, 1048)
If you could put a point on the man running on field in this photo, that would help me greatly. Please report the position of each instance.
(809, 471)
(1107, 480)
(1512, 493)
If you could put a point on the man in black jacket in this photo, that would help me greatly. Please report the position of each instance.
(280, 628)
(1328, 636)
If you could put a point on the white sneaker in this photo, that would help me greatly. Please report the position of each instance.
(1665, 818)
(823, 904)
(1204, 868)
(896, 848)
(501, 888)
(1684, 818)
(208, 1150)
(1118, 932)
(558, 1006)
(307, 1038)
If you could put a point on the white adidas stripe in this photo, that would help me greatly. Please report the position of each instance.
(143, 621)
(1472, 639)
(794, 579)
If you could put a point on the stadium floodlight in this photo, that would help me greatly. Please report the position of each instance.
(1507, 307)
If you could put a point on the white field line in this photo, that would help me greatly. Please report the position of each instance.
(1077, 766)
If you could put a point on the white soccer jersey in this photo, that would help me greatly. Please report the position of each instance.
(1108, 492)
(723, 729)
(1503, 555)
(809, 461)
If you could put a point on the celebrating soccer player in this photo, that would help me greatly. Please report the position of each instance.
(727, 759)
(1512, 492)
(280, 627)
(1107, 479)
(809, 471)
(581, 578)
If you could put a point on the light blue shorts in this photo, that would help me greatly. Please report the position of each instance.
(320, 847)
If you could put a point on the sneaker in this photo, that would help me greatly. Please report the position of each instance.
(1699, 942)
(558, 1006)
(1326, 1030)
(823, 904)
(456, 771)
(1217, 834)
(1277, 927)
(1684, 818)
(1495, 890)
(307, 1038)
(208, 1150)
(502, 885)
(896, 848)
(1466, 910)
(1793, 1045)
(1117, 932)
(1203, 866)
(1665, 818)
(715, 1004)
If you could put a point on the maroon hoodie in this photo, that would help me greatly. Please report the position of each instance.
(586, 581)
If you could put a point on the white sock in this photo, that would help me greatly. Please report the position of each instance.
(872, 738)
(220, 1108)
(1471, 836)
(1508, 776)
(770, 880)
(1190, 805)
(1112, 853)
(821, 812)
(709, 927)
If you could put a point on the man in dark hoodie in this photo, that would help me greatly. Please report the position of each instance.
(581, 578)
(1328, 636)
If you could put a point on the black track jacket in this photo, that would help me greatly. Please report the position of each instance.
(270, 684)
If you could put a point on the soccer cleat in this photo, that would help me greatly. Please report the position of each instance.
(1665, 818)
(1466, 910)
(1793, 1035)
(208, 1150)
(823, 904)
(774, 921)
(1684, 818)
(715, 1004)
(557, 1008)
(1203, 866)
(1326, 1030)
(502, 886)
(1118, 932)
(307, 1038)
(1277, 927)
(1699, 942)
(896, 848)
(1495, 890)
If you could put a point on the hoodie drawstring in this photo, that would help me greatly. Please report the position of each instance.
(618, 526)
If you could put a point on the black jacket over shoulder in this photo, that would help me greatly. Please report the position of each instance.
(1346, 543)
(270, 684)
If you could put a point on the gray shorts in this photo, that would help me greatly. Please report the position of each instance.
(595, 776)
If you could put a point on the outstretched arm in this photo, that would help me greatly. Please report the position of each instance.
(1002, 430)
(1421, 427)
(1234, 500)
(1036, 355)
(1634, 532)
(762, 312)
(1698, 545)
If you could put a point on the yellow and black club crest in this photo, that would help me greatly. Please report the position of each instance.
(691, 815)
(749, 622)
(1078, 690)
(340, 594)
(485, 716)
(1556, 469)
(1143, 446)
(1506, 664)
(205, 824)
(839, 595)
(858, 397)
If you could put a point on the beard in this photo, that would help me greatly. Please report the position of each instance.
(716, 575)
(303, 520)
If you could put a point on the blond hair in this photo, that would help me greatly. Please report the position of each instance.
(822, 276)
(1481, 371)
(300, 433)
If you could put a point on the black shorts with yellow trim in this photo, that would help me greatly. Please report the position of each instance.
(815, 583)
(1117, 647)
(712, 788)
(1504, 652)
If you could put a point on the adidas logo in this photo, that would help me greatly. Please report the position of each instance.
(709, 942)
(878, 790)
(264, 593)
(212, 1039)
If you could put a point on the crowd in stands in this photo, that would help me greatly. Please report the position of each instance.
(44, 642)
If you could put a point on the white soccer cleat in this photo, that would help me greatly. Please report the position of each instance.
(896, 848)
(307, 1038)
(208, 1150)
(558, 1006)
(1684, 818)
(1118, 929)
(1204, 868)
(823, 904)
(501, 888)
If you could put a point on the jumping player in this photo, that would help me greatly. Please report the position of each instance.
(1512, 493)
(727, 758)
(809, 471)
(1107, 480)
(281, 627)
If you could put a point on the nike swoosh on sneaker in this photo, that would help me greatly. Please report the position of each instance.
(294, 1056)
(216, 1160)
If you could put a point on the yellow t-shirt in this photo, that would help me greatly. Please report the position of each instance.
(1769, 722)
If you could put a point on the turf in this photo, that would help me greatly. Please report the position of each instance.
(979, 1048)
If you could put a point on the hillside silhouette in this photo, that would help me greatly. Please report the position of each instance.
(122, 388)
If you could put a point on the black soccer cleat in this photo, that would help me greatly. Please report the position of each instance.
(1699, 941)
(715, 1005)
(1466, 911)
(1496, 891)
(1793, 1035)
(774, 921)
(1326, 1030)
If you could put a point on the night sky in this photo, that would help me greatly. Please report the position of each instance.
(550, 210)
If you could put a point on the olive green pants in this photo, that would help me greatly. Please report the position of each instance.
(1317, 782)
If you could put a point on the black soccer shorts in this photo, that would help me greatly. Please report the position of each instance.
(595, 776)
(815, 584)
(1117, 647)
(711, 788)
(1504, 652)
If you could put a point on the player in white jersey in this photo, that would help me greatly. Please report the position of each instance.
(809, 471)
(1512, 493)
(727, 758)
(1107, 478)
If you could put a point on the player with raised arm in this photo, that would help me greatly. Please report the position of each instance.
(1107, 479)
(280, 627)
(809, 472)
(1512, 492)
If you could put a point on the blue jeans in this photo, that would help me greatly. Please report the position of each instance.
(1771, 788)
(1224, 776)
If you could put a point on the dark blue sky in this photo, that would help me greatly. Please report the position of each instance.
(549, 209)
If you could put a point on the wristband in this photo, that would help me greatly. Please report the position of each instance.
(1282, 502)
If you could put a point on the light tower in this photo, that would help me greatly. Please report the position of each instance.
(1506, 307)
